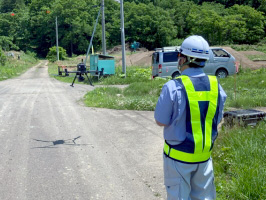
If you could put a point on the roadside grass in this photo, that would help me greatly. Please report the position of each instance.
(239, 163)
(137, 96)
(141, 94)
(245, 90)
(134, 74)
(15, 67)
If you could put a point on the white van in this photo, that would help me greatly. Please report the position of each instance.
(164, 62)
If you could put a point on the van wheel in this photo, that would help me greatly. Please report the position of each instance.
(175, 75)
(221, 73)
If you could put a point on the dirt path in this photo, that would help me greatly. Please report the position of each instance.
(52, 147)
(244, 61)
(136, 59)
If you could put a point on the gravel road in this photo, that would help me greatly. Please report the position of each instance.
(53, 147)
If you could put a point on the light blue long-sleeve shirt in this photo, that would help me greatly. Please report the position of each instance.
(171, 107)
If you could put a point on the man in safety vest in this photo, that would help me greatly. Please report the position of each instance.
(190, 108)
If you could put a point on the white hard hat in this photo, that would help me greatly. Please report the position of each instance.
(196, 47)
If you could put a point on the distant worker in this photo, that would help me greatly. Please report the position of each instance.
(190, 109)
(134, 46)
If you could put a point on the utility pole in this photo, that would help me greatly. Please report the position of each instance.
(123, 37)
(94, 29)
(103, 30)
(56, 30)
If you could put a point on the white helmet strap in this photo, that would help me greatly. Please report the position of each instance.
(191, 60)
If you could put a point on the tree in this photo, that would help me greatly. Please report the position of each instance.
(216, 7)
(139, 1)
(76, 20)
(153, 23)
(7, 43)
(181, 17)
(262, 6)
(112, 23)
(22, 34)
(41, 26)
(254, 22)
(208, 24)
(10, 5)
(229, 3)
(235, 29)
(8, 27)
(149, 25)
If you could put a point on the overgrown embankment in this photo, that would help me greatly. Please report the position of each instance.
(15, 64)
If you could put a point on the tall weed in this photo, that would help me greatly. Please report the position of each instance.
(239, 162)
(246, 89)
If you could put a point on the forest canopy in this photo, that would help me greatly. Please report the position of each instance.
(29, 25)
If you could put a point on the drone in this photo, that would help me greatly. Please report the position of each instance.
(81, 71)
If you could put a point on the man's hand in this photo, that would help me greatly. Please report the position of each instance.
(160, 124)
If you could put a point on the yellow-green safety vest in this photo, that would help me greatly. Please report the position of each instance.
(198, 144)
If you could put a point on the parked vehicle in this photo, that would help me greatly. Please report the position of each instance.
(164, 62)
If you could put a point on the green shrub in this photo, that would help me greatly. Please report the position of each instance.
(52, 54)
(2, 57)
(31, 54)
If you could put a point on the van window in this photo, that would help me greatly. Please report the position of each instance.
(219, 53)
(170, 57)
(155, 58)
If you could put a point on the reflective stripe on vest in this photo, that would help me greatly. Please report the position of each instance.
(202, 141)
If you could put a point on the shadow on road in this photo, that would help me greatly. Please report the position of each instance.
(53, 144)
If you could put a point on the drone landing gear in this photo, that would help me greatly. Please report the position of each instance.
(81, 78)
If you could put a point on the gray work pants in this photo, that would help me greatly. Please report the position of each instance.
(189, 181)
